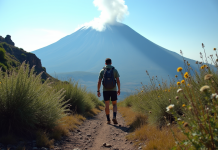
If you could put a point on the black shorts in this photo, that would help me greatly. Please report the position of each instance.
(110, 95)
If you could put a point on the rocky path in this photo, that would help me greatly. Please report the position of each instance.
(95, 134)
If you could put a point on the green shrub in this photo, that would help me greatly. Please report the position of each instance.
(26, 103)
(3, 67)
(80, 100)
(23, 56)
(6, 46)
(2, 54)
(95, 100)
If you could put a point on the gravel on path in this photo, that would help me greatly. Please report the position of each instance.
(96, 134)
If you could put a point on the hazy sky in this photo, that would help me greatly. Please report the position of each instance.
(172, 24)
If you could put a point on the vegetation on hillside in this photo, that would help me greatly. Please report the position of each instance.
(7, 61)
(29, 107)
(189, 102)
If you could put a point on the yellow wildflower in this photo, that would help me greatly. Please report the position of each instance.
(165, 90)
(159, 84)
(183, 81)
(186, 75)
(202, 67)
(188, 84)
(183, 105)
(158, 96)
(142, 91)
(205, 66)
(168, 90)
(188, 64)
(183, 122)
(178, 83)
(179, 69)
(214, 49)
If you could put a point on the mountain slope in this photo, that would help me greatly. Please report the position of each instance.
(131, 53)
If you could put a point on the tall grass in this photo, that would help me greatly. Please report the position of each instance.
(26, 103)
(79, 99)
(189, 101)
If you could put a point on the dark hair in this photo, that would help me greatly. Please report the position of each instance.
(108, 61)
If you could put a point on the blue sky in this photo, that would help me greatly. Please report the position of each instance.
(173, 24)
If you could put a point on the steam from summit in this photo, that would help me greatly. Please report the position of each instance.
(112, 12)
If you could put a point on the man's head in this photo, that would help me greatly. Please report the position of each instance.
(108, 61)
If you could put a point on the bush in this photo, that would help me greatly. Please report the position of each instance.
(2, 54)
(80, 100)
(3, 67)
(26, 103)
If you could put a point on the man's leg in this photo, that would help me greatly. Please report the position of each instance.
(107, 111)
(114, 109)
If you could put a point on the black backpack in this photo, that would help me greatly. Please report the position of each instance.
(109, 81)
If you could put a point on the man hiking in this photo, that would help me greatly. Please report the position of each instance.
(110, 77)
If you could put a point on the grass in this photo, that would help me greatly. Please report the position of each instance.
(42, 111)
(146, 134)
(184, 109)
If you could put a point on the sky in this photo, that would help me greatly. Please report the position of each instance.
(173, 24)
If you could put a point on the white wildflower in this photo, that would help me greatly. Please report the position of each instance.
(170, 107)
(179, 119)
(179, 90)
(213, 95)
(168, 124)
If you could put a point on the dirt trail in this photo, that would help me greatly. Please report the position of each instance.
(94, 132)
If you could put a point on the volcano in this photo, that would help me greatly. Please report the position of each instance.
(132, 54)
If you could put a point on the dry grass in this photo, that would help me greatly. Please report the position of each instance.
(63, 128)
(149, 135)
(94, 111)
(42, 140)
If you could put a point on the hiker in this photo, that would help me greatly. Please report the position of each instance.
(110, 77)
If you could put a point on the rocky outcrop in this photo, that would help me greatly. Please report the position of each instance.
(20, 55)
(7, 39)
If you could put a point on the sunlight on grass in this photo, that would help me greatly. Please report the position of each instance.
(183, 109)
(145, 134)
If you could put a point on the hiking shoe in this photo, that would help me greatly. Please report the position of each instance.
(108, 122)
(115, 121)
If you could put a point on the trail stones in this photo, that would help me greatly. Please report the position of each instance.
(78, 130)
(76, 149)
(89, 135)
(106, 145)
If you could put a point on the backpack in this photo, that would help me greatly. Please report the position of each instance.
(109, 81)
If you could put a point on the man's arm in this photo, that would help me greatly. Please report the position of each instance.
(99, 85)
(118, 84)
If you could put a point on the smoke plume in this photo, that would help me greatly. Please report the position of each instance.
(112, 11)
